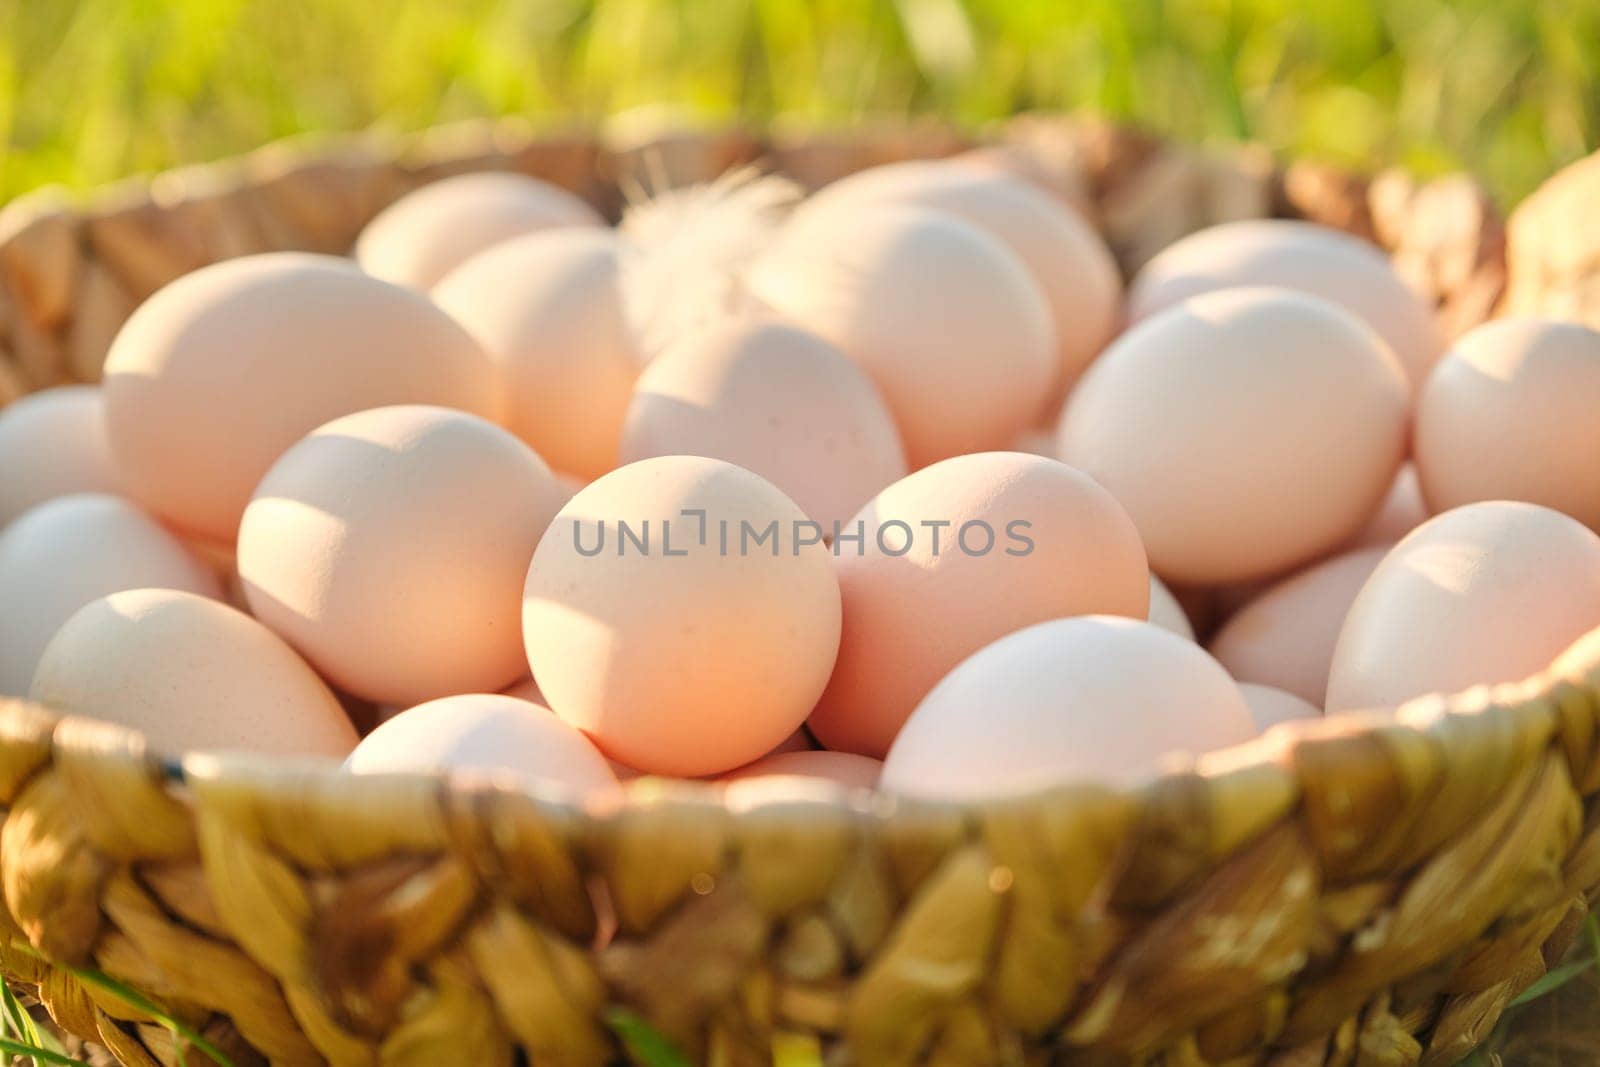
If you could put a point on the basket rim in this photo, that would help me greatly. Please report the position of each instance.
(1271, 753)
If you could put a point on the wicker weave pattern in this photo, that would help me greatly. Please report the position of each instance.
(1338, 893)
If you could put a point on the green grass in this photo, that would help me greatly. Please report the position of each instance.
(183, 1035)
(643, 1043)
(24, 1040)
(21, 1037)
(91, 90)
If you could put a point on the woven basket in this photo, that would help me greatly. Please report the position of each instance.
(1356, 891)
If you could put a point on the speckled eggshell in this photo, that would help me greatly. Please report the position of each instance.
(70, 551)
(390, 546)
(485, 733)
(689, 663)
(1269, 706)
(1284, 636)
(1072, 701)
(1166, 612)
(843, 767)
(1401, 512)
(1065, 256)
(1510, 414)
(221, 371)
(912, 611)
(1245, 431)
(549, 310)
(191, 674)
(53, 443)
(429, 232)
(1296, 255)
(943, 317)
(1482, 594)
(776, 400)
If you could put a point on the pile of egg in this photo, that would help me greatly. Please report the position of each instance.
(895, 486)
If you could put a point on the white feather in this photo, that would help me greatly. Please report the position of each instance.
(686, 251)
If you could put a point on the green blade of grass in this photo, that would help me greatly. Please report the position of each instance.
(180, 1030)
(23, 1024)
(18, 1021)
(643, 1042)
(1560, 976)
(39, 1055)
(1553, 980)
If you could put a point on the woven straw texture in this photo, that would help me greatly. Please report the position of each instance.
(1364, 892)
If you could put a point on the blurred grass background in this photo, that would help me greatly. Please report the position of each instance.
(92, 90)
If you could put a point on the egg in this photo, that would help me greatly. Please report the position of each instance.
(1269, 706)
(945, 320)
(223, 562)
(1481, 594)
(1203, 607)
(1166, 612)
(390, 546)
(1231, 596)
(569, 485)
(799, 741)
(430, 231)
(527, 689)
(778, 401)
(70, 551)
(1580, 662)
(1245, 431)
(1509, 414)
(1401, 512)
(485, 733)
(190, 674)
(550, 312)
(218, 373)
(570, 317)
(790, 797)
(955, 556)
(53, 443)
(1295, 255)
(842, 767)
(1065, 256)
(681, 613)
(1060, 178)
(1089, 700)
(1036, 441)
(1284, 636)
